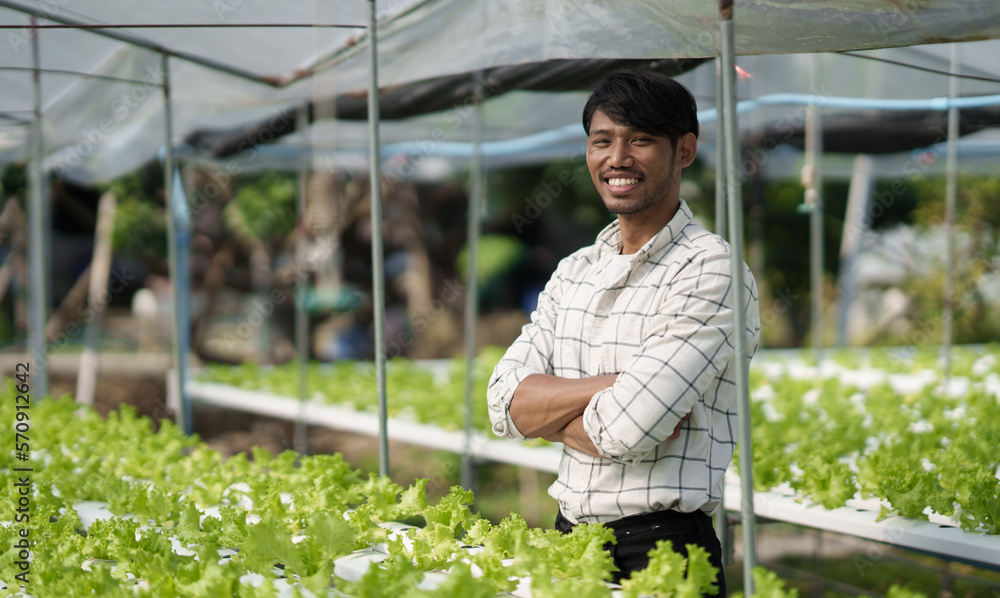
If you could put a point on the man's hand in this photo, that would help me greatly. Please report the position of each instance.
(574, 436)
(677, 428)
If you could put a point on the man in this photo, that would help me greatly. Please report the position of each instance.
(629, 357)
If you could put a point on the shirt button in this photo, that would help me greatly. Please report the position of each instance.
(581, 485)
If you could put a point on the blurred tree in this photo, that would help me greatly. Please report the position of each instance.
(13, 189)
(977, 262)
(14, 182)
(140, 230)
(264, 208)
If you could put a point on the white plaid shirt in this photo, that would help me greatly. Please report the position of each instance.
(666, 326)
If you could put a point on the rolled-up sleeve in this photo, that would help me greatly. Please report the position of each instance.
(681, 353)
(530, 354)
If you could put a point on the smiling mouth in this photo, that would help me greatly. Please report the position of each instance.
(620, 184)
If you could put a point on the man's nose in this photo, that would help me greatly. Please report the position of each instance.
(620, 156)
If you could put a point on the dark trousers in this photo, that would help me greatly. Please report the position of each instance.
(636, 535)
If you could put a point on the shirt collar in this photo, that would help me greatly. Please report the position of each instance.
(609, 241)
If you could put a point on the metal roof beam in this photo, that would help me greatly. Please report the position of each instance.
(128, 38)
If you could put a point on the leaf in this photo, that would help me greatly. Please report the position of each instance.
(434, 546)
(413, 501)
(233, 527)
(907, 492)
(458, 584)
(381, 493)
(453, 509)
(582, 553)
(393, 577)
(212, 580)
(269, 543)
(766, 584)
(701, 574)
(498, 543)
(113, 539)
(369, 533)
(328, 536)
(897, 591)
(188, 528)
(984, 505)
(662, 576)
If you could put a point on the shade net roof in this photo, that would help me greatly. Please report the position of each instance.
(224, 77)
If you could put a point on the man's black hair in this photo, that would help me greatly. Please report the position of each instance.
(646, 101)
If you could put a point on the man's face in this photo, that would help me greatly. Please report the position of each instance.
(631, 169)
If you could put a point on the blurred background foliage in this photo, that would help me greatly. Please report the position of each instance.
(535, 215)
(264, 207)
(977, 273)
(140, 229)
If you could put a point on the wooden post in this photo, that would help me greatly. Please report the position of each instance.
(97, 298)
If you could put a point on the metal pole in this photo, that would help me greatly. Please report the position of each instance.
(378, 261)
(174, 240)
(720, 229)
(472, 279)
(951, 193)
(739, 292)
(720, 154)
(38, 296)
(182, 286)
(60, 16)
(814, 198)
(301, 440)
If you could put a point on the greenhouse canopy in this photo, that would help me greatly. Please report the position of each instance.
(230, 75)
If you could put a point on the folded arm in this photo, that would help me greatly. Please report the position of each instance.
(575, 436)
(544, 404)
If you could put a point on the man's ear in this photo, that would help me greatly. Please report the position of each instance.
(687, 149)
